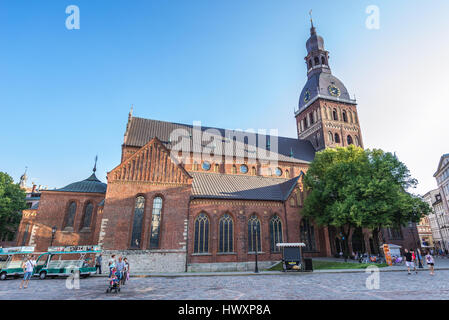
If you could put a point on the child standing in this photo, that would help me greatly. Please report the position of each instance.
(430, 262)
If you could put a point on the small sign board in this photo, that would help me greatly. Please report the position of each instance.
(69, 249)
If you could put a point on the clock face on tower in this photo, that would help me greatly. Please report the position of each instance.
(333, 90)
(307, 96)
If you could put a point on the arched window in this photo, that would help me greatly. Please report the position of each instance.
(337, 138)
(201, 240)
(317, 61)
(275, 233)
(87, 217)
(323, 60)
(345, 118)
(254, 234)
(355, 117)
(349, 138)
(217, 167)
(310, 63)
(25, 235)
(234, 169)
(334, 115)
(331, 137)
(70, 218)
(307, 234)
(357, 141)
(287, 174)
(311, 119)
(253, 171)
(350, 116)
(226, 233)
(136, 235)
(155, 223)
(299, 197)
(292, 202)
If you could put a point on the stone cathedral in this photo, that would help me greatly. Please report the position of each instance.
(168, 215)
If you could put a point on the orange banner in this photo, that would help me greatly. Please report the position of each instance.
(387, 255)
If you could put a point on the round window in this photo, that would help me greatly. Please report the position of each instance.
(243, 168)
(206, 166)
(278, 172)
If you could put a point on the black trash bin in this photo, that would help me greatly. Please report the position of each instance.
(308, 266)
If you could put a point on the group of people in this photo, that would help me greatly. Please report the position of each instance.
(411, 257)
(119, 269)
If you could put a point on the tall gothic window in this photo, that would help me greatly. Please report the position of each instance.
(331, 137)
(25, 235)
(254, 234)
(334, 114)
(299, 197)
(357, 142)
(307, 234)
(70, 218)
(345, 118)
(155, 223)
(136, 236)
(87, 217)
(201, 241)
(337, 138)
(349, 140)
(275, 233)
(317, 61)
(226, 233)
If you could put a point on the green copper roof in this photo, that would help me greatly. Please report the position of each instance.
(90, 185)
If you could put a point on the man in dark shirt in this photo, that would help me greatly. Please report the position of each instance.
(409, 261)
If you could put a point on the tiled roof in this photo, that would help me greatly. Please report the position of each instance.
(90, 185)
(242, 187)
(140, 131)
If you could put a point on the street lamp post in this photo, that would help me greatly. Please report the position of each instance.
(256, 268)
(53, 232)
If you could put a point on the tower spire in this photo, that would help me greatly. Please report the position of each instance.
(95, 166)
(312, 28)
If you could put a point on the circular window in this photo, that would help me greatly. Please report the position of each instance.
(243, 168)
(278, 172)
(206, 166)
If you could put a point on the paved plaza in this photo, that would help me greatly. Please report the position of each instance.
(393, 285)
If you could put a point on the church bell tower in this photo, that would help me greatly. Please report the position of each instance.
(326, 114)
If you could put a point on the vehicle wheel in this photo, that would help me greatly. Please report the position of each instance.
(42, 275)
(3, 276)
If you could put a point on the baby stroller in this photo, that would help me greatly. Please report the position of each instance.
(114, 282)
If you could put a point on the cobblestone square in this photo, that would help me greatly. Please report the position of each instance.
(393, 285)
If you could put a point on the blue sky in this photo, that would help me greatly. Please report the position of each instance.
(65, 94)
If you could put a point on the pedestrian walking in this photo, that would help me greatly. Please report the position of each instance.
(120, 266)
(28, 268)
(111, 264)
(430, 262)
(409, 261)
(98, 262)
(126, 272)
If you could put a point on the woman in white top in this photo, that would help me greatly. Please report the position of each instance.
(430, 262)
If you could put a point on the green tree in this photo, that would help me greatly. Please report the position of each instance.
(12, 202)
(351, 187)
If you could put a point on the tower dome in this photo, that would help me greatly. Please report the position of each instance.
(321, 83)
